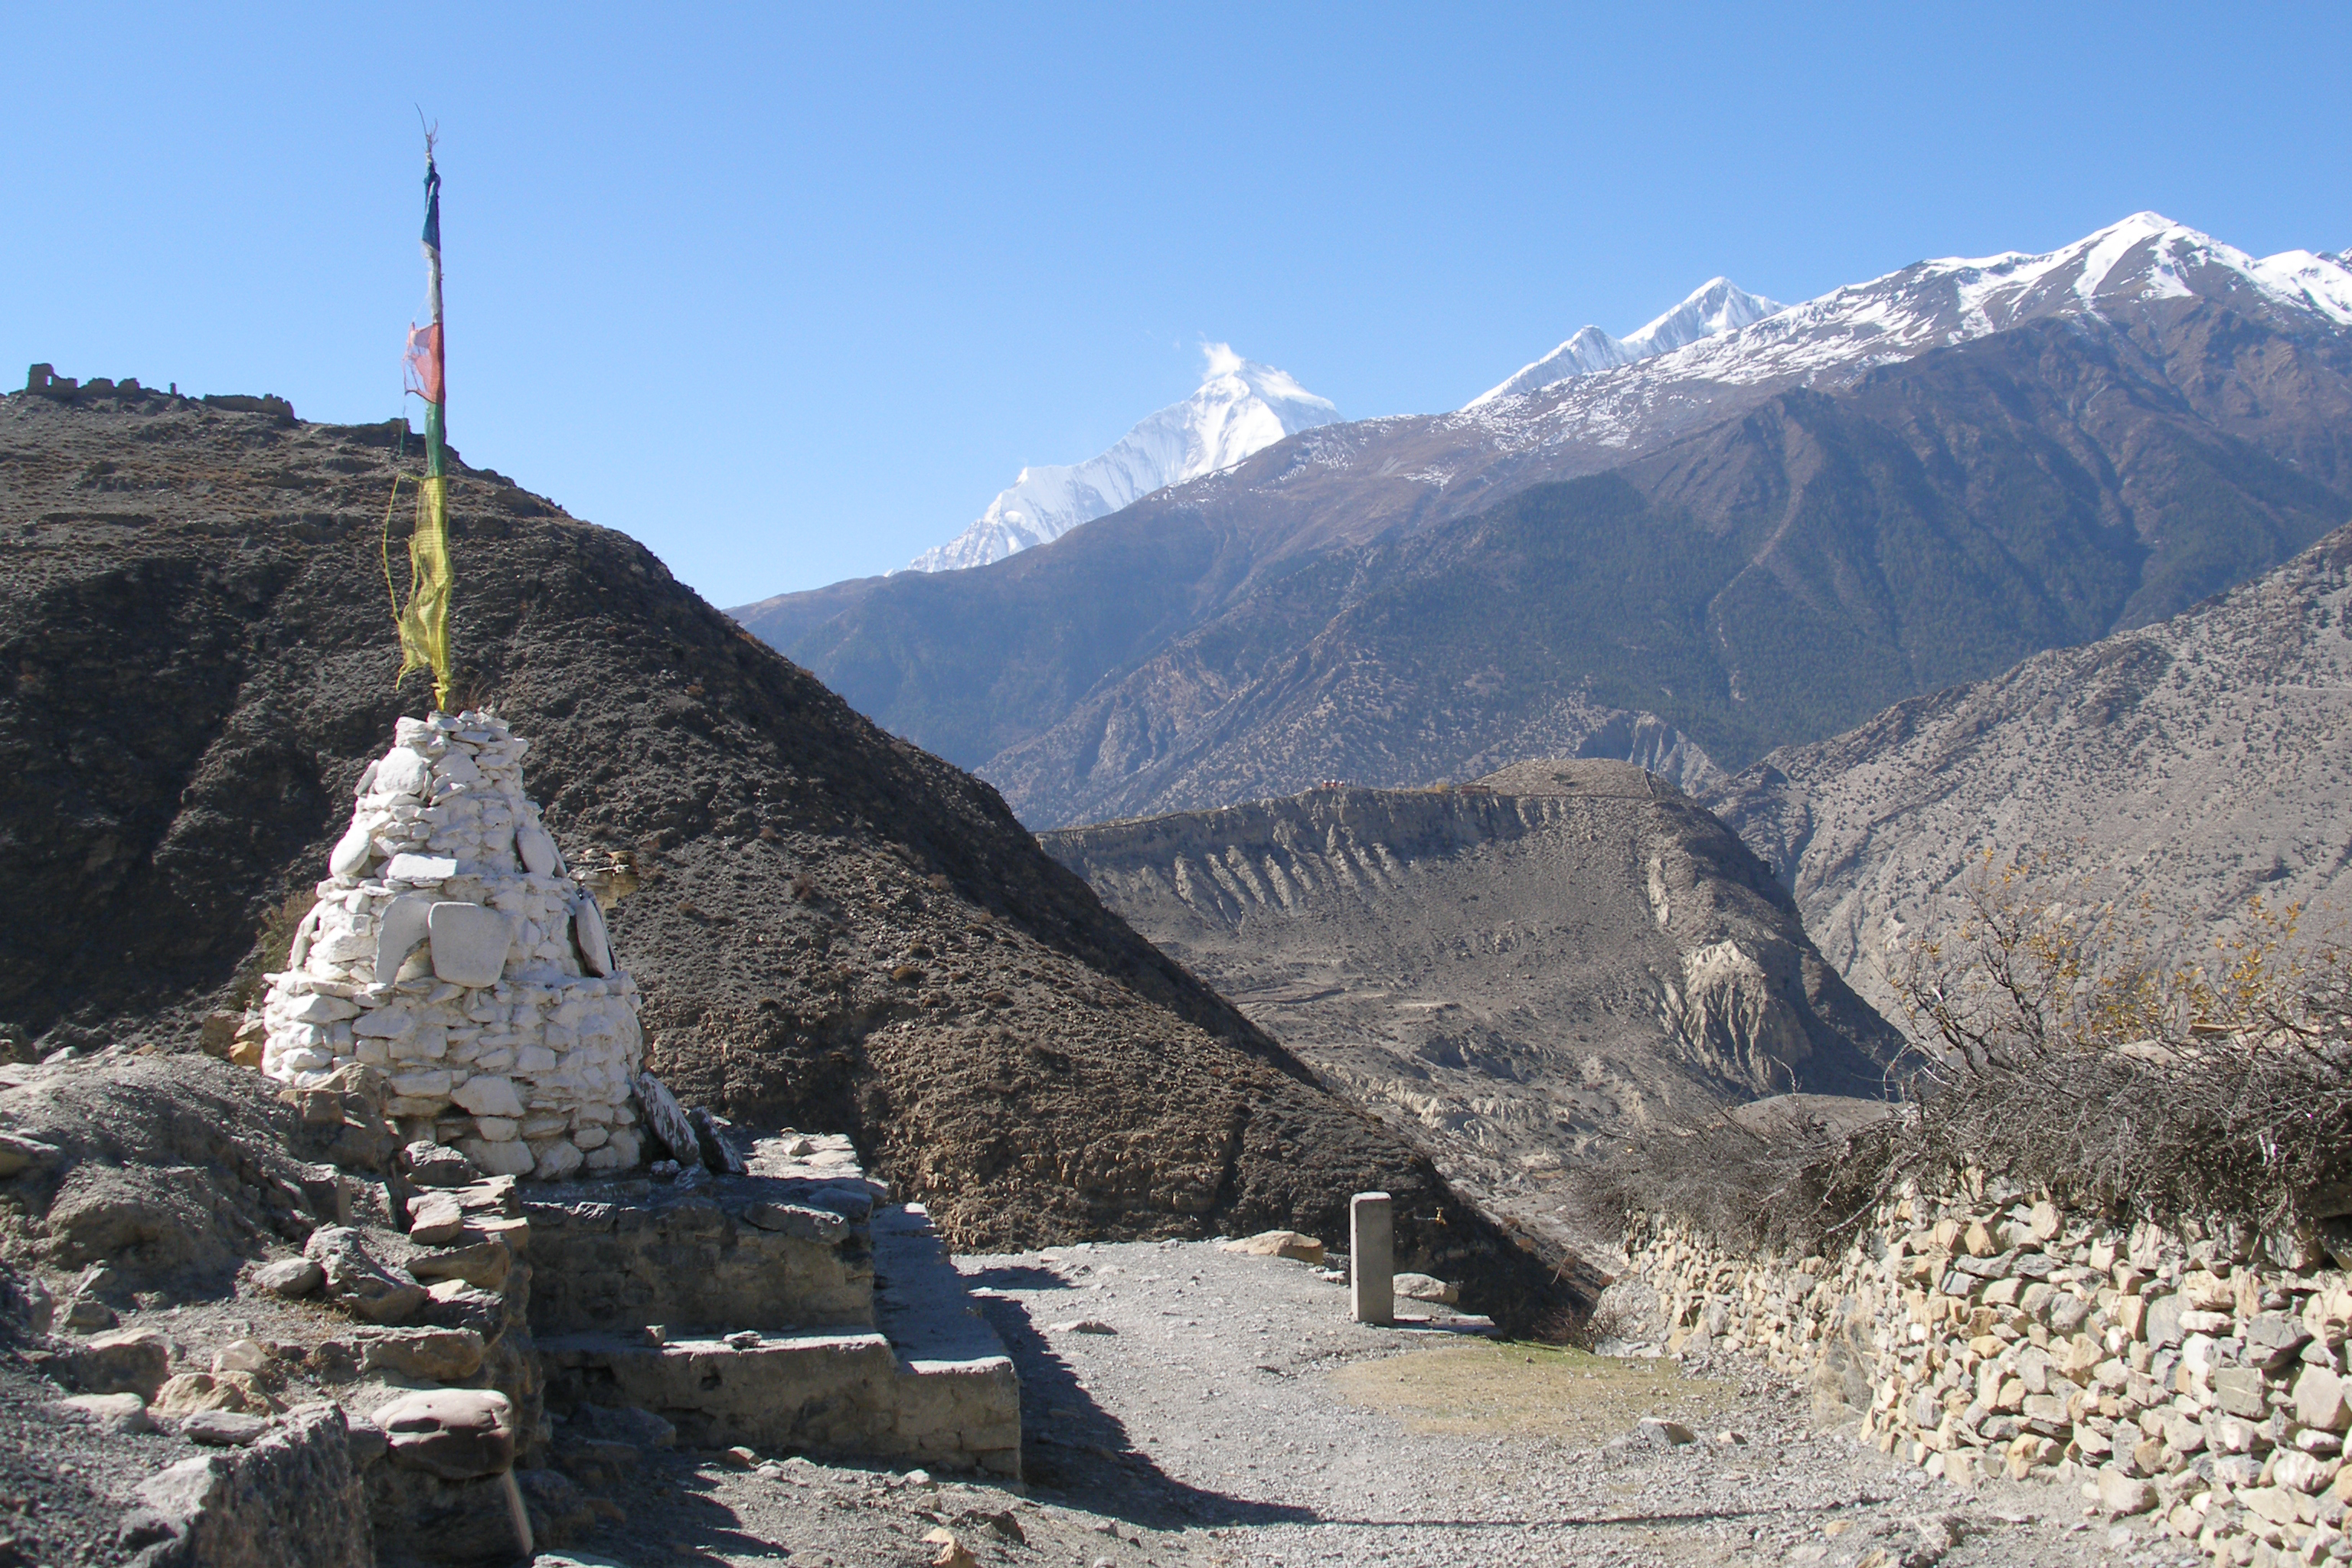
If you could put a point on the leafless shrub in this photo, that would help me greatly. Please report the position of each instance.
(1789, 1183)
(2066, 1058)
(2071, 1061)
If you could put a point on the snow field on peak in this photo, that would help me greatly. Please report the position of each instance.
(1240, 408)
(1840, 335)
(1714, 307)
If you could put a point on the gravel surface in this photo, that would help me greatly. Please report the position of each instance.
(1234, 1417)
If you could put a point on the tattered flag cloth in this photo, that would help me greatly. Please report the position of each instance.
(424, 621)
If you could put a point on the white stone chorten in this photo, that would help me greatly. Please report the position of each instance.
(451, 950)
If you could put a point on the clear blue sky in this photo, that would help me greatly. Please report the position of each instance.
(788, 293)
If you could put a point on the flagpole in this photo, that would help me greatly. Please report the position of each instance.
(424, 622)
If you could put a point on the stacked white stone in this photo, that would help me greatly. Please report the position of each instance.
(451, 950)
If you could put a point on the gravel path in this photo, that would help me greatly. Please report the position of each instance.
(1234, 1417)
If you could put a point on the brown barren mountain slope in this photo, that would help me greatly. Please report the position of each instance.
(2192, 764)
(834, 929)
(1522, 969)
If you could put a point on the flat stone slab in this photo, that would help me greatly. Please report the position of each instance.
(469, 944)
(665, 1119)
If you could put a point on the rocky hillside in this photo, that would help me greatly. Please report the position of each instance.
(834, 929)
(1517, 969)
(1759, 539)
(2195, 762)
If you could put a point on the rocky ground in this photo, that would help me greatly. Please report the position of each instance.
(1183, 1405)
(1234, 1417)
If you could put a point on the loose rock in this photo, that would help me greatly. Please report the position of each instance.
(455, 1434)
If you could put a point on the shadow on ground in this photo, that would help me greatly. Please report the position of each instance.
(1071, 1445)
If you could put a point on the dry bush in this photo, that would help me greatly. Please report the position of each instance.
(2065, 1057)
(1795, 1184)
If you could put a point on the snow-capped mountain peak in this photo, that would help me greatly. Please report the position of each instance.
(2146, 259)
(1714, 307)
(1239, 408)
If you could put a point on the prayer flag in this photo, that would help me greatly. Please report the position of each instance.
(425, 620)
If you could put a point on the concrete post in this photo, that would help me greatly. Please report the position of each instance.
(1372, 1258)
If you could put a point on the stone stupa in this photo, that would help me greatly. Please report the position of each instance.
(451, 950)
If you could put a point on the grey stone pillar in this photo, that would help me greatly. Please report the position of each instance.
(1372, 1258)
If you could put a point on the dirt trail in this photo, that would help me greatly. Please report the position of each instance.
(1235, 1418)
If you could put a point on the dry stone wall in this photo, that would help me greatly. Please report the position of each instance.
(2197, 1375)
(450, 948)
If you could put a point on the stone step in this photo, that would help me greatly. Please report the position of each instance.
(787, 1245)
(797, 1312)
(835, 1395)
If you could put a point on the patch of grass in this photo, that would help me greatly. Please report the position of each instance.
(1522, 1389)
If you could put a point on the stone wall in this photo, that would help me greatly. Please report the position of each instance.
(699, 1261)
(2195, 1375)
(450, 948)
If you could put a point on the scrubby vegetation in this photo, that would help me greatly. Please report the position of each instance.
(2065, 1059)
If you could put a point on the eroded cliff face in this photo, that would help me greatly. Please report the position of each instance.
(1522, 969)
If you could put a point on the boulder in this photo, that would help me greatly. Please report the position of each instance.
(556, 1159)
(239, 1393)
(535, 849)
(109, 1412)
(134, 1361)
(291, 1277)
(224, 1428)
(2319, 1400)
(435, 1218)
(482, 1264)
(453, 1304)
(357, 1282)
(289, 1498)
(455, 1434)
(399, 929)
(243, 1355)
(2274, 1339)
(436, 1165)
(1426, 1288)
(718, 1150)
(666, 1121)
(2120, 1494)
(1288, 1244)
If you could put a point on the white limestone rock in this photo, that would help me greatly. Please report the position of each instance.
(399, 929)
(401, 771)
(486, 1095)
(351, 851)
(538, 850)
(469, 944)
(510, 1158)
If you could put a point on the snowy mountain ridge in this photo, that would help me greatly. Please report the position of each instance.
(1833, 340)
(1241, 407)
(1714, 307)
(1929, 304)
